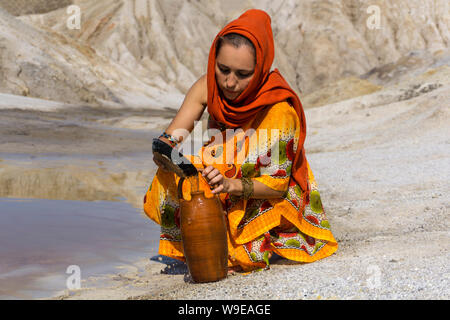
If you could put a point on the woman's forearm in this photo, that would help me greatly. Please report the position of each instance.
(260, 190)
(191, 110)
(184, 121)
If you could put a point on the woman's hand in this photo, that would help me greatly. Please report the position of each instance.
(218, 183)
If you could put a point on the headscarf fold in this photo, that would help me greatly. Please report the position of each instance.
(265, 89)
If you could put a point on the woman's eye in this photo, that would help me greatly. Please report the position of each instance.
(224, 70)
(243, 75)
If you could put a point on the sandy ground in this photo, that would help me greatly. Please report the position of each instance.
(381, 161)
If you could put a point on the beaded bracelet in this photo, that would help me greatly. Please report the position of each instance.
(172, 140)
(247, 188)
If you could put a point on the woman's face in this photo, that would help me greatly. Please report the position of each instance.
(234, 69)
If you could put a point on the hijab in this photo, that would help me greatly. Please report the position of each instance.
(265, 89)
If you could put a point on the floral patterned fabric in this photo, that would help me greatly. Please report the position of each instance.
(294, 226)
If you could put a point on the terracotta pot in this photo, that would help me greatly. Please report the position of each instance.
(204, 235)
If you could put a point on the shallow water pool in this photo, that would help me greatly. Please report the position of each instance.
(45, 242)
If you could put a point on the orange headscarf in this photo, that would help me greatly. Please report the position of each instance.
(265, 89)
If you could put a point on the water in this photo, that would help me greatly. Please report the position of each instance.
(40, 239)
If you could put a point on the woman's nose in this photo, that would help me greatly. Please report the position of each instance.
(231, 81)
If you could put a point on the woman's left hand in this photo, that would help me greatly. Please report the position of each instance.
(218, 183)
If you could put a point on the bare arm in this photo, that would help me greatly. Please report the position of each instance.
(260, 190)
(191, 110)
(234, 186)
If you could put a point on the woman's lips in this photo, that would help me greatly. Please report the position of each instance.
(230, 93)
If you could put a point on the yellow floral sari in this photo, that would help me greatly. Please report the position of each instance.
(294, 226)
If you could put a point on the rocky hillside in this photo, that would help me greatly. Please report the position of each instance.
(22, 7)
(149, 52)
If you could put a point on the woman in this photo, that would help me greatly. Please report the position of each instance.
(262, 178)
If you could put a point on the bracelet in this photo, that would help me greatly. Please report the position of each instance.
(172, 140)
(247, 188)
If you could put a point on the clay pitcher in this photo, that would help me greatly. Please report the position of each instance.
(204, 234)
